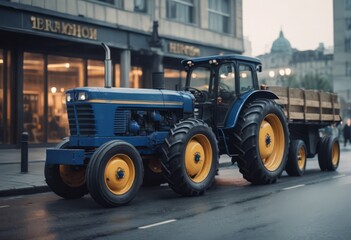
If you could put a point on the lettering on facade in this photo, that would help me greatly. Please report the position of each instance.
(65, 28)
(183, 49)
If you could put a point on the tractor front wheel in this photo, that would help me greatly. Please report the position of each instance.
(114, 174)
(190, 157)
(67, 181)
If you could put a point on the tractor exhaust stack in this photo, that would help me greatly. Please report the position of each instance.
(108, 66)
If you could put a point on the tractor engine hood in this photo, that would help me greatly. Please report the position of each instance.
(133, 97)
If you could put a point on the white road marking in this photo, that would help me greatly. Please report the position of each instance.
(296, 186)
(157, 224)
(4, 206)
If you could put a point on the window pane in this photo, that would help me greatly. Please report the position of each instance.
(135, 77)
(219, 16)
(33, 96)
(2, 102)
(181, 10)
(140, 6)
(96, 71)
(200, 78)
(117, 75)
(63, 74)
(246, 80)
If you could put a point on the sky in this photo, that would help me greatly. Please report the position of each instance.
(305, 23)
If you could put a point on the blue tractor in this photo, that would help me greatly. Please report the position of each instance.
(120, 138)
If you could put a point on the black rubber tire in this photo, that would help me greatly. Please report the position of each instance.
(293, 168)
(246, 135)
(321, 157)
(96, 182)
(174, 160)
(329, 154)
(61, 186)
(152, 178)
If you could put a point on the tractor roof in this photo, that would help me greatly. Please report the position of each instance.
(222, 58)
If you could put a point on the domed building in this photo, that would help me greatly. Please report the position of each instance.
(281, 45)
(284, 61)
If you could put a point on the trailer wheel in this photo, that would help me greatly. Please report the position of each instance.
(296, 163)
(329, 154)
(114, 174)
(67, 181)
(321, 157)
(262, 139)
(190, 157)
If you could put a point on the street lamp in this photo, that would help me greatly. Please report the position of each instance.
(280, 75)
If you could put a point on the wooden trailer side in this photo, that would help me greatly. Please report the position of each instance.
(308, 105)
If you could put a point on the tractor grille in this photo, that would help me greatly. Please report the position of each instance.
(81, 119)
(121, 121)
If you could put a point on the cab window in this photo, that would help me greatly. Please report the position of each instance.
(245, 78)
(201, 79)
(227, 78)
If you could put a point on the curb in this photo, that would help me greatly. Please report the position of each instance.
(24, 191)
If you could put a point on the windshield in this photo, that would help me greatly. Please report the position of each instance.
(200, 78)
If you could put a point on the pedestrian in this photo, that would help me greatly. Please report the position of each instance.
(347, 131)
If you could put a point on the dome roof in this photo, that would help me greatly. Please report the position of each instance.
(281, 44)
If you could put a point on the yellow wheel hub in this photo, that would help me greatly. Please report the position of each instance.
(72, 176)
(271, 142)
(119, 174)
(198, 158)
(301, 158)
(335, 154)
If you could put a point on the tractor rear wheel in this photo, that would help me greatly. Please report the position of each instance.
(67, 181)
(329, 154)
(262, 139)
(114, 174)
(190, 158)
(296, 164)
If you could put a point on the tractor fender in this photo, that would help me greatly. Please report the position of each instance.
(241, 101)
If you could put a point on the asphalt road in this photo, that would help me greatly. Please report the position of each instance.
(315, 206)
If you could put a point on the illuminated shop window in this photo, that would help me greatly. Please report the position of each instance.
(135, 77)
(33, 96)
(63, 74)
(96, 71)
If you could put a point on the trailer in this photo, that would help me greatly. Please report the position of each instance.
(307, 112)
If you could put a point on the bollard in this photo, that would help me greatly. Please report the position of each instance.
(24, 152)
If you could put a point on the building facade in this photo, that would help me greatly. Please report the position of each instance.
(284, 64)
(342, 55)
(49, 46)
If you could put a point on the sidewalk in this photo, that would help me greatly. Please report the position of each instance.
(13, 182)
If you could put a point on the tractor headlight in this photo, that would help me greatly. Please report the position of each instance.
(69, 97)
(82, 96)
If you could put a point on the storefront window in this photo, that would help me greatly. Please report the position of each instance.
(63, 74)
(33, 96)
(2, 102)
(117, 75)
(6, 125)
(96, 71)
(135, 77)
(174, 79)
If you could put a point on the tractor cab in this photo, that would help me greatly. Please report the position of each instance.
(217, 82)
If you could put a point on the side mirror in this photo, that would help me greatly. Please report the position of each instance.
(259, 68)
